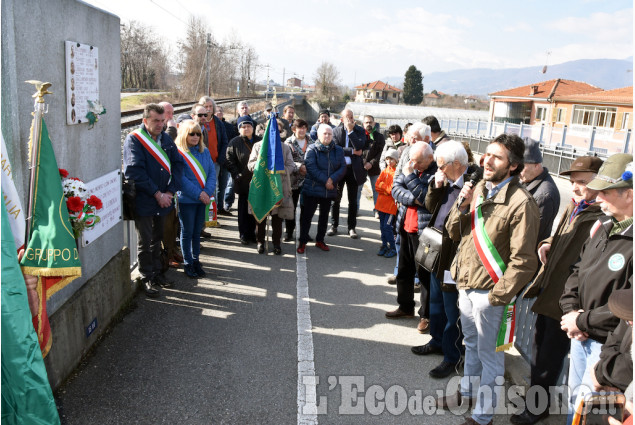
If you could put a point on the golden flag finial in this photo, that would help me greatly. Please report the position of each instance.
(42, 89)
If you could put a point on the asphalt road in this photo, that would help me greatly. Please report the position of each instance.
(224, 349)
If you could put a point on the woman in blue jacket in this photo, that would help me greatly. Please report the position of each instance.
(325, 167)
(197, 192)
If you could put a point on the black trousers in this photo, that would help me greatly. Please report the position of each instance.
(550, 348)
(276, 229)
(351, 190)
(246, 221)
(406, 270)
(310, 204)
(149, 237)
(290, 224)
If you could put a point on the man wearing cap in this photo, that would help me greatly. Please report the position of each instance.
(496, 226)
(557, 254)
(237, 158)
(375, 142)
(614, 370)
(605, 265)
(323, 118)
(541, 186)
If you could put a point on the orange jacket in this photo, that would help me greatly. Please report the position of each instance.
(383, 186)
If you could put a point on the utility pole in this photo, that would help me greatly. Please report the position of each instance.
(267, 92)
(207, 64)
(284, 84)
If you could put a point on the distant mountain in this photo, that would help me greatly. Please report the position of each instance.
(603, 73)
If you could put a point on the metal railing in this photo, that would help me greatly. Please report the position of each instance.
(575, 138)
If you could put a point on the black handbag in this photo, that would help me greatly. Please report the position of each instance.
(129, 192)
(429, 250)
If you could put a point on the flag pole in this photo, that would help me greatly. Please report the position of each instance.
(40, 108)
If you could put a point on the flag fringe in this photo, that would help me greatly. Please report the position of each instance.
(266, 215)
(504, 347)
(213, 223)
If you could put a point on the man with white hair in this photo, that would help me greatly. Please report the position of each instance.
(409, 191)
(352, 138)
(416, 133)
(447, 338)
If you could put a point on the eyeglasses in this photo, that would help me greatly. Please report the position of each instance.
(442, 167)
(201, 115)
(195, 134)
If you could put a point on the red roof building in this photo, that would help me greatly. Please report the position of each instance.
(377, 92)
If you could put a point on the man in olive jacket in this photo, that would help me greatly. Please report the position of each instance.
(557, 254)
(490, 276)
(605, 265)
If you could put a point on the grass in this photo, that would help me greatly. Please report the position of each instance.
(140, 100)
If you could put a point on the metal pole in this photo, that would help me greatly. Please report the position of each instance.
(564, 135)
(39, 110)
(542, 130)
(627, 140)
(592, 138)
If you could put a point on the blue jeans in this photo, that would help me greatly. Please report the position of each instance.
(385, 226)
(373, 180)
(483, 365)
(583, 356)
(445, 328)
(225, 186)
(192, 218)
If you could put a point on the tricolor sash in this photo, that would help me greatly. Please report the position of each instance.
(201, 176)
(195, 166)
(153, 147)
(487, 252)
(495, 267)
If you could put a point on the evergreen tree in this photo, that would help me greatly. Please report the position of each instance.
(413, 86)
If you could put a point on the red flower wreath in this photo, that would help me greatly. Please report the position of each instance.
(75, 204)
(94, 201)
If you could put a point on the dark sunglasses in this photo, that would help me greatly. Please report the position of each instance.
(201, 115)
(195, 134)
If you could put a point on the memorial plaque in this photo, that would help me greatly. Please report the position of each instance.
(108, 189)
(82, 80)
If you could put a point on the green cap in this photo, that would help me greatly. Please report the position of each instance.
(615, 173)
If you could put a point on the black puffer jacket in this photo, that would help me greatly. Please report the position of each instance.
(237, 157)
(605, 264)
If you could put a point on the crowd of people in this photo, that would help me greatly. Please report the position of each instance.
(491, 223)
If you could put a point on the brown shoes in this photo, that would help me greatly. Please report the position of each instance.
(424, 325)
(398, 314)
(392, 280)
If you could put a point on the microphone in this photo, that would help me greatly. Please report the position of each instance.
(475, 177)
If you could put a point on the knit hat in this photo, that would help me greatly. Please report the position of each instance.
(244, 120)
(584, 164)
(392, 153)
(532, 151)
(615, 173)
(183, 117)
(325, 111)
(621, 303)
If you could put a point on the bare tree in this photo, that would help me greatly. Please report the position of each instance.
(192, 63)
(327, 79)
(144, 58)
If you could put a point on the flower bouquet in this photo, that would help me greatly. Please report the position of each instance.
(95, 109)
(82, 206)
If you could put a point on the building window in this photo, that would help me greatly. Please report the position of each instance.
(595, 116)
(541, 113)
(560, 115)
(394, 95)
(625, 118)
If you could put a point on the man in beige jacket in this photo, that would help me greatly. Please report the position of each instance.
(497, 224)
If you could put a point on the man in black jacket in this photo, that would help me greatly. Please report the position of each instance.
(352, 138)
(605, 265)
(372, 156)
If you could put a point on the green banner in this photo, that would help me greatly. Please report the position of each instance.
(51, 250)
(26, 393)
(265, 189)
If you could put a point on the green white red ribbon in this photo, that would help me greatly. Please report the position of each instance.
(153, 147)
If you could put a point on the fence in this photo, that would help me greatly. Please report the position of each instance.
(580, 138)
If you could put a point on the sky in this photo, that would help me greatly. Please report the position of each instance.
(370, 40)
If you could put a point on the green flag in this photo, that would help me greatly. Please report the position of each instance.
(265, 189)
(26, 393)
(51, 253)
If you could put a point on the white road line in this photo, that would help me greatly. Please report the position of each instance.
(307, 385)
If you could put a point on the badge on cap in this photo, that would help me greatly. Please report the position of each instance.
(616, 262)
